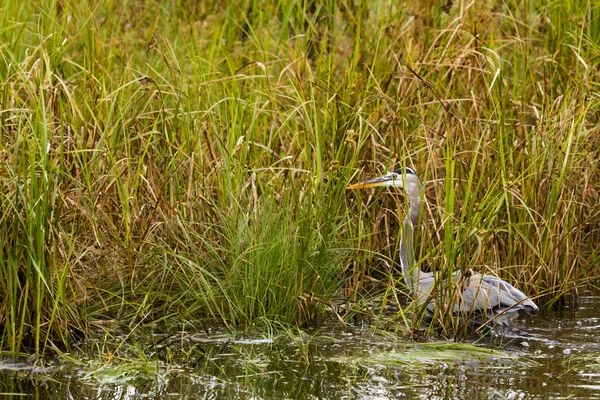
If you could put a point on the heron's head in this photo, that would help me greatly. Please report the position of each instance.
(401, 178)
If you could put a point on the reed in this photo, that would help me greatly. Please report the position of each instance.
(164, 160)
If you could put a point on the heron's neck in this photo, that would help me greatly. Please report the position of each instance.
(409, 270)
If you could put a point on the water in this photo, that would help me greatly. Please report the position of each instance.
(555, 354)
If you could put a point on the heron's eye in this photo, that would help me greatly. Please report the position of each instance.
(394, 176)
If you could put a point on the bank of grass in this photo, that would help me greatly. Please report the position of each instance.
(189, 161)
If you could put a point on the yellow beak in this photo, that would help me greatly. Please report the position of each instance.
(371, 183)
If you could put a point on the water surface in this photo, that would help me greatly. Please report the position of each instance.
(555, 354)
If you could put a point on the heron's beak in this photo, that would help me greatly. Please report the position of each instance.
(385, 180)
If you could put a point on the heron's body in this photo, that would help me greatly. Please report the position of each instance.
(481, 295)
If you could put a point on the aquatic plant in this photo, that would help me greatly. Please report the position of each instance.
(163, 160)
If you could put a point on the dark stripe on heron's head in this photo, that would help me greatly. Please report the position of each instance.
(407, 171)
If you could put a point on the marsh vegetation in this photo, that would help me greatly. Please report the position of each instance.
(187, 161)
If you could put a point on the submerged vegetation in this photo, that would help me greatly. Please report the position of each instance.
(188, 160)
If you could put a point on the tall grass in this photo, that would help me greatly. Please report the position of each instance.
(168, 160)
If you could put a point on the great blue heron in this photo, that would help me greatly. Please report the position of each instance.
(483, 295)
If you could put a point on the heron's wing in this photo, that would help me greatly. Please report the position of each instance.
(477, 293)
(490, 294)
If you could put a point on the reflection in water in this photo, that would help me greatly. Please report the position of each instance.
(552, 355)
